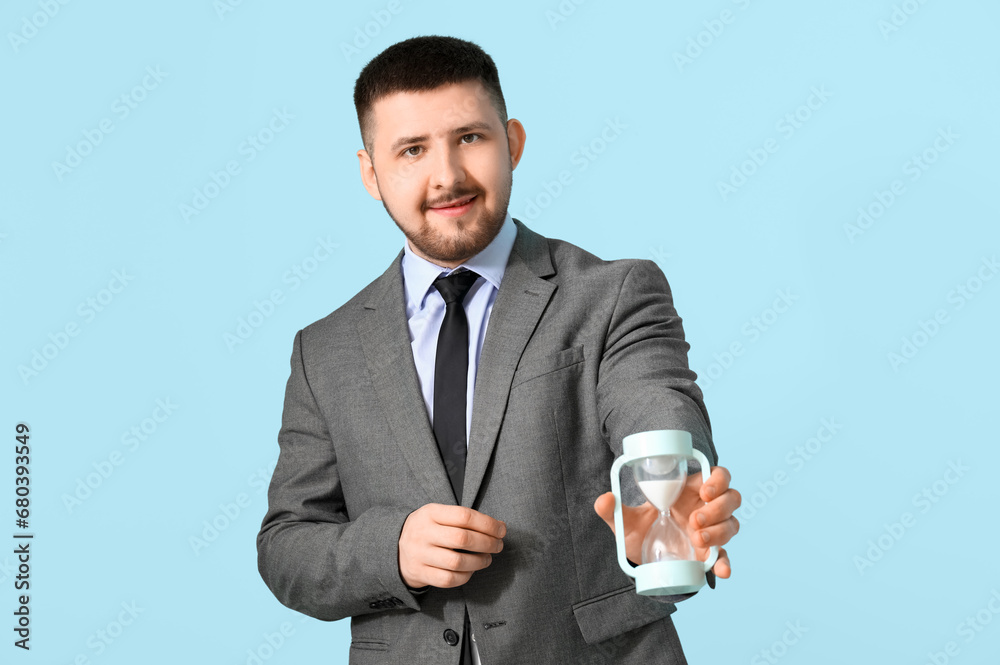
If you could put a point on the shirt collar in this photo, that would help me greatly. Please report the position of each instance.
(490, 263)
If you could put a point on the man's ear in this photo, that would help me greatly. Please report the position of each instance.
(368, 177)
(515, 141)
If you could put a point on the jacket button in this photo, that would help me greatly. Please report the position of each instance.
(451, 637)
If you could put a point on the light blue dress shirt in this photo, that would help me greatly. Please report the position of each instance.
(425, 311)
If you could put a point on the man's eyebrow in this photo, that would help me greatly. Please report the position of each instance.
(480, 125)
(464, 129)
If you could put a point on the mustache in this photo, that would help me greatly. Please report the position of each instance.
(451, 196)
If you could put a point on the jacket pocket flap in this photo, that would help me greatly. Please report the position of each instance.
(366, 644)
(613, 613)
(535, 366)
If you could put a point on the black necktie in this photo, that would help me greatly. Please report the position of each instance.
(451, 371)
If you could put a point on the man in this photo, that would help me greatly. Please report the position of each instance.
(448, 432)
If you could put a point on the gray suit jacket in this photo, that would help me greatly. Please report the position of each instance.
(579, 353)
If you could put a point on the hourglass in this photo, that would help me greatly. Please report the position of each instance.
(660, 459)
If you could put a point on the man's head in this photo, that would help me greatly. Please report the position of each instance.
(435, 129)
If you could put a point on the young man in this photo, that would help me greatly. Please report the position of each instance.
(448, 432)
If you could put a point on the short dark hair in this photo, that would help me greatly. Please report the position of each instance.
(423, 63)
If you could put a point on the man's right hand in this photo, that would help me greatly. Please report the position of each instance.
(442, 545)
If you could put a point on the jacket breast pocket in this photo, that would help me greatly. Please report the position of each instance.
(536, 365)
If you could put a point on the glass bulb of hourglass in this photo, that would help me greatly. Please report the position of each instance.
(661, 479)
(666, 541)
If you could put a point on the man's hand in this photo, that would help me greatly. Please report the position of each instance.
(442, 545)
(706, 525)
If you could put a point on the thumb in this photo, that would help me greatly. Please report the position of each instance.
(605, 509)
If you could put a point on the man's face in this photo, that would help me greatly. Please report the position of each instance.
(442, 167)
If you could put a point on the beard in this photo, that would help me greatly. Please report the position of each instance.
(470, 237)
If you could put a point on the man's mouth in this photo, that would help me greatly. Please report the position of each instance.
(456, 207)
(457, 203)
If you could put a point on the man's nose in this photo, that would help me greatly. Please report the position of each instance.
(448, 168)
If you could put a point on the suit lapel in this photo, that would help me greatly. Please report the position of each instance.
(385, 339)
(519, 304)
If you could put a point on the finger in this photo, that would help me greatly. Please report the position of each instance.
(467, 518)
(460, 562)
(458, 538)
(444, 579)
(604, 506)
(717, 483)
(722, 567)
(717, 534)
(718, 509)
(632, 516)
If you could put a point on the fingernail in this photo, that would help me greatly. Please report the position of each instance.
(710, 491)
(702, 520)
(704, 537)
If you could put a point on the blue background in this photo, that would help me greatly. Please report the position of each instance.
(832, 440)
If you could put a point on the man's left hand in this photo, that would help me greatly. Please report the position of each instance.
(705, 510)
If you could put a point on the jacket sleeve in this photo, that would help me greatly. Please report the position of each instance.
(313, 556)
(644, 382)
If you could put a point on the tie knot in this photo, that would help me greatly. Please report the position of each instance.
(453, 287)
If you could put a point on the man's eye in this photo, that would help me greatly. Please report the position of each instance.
(411, 154)
(475, 137)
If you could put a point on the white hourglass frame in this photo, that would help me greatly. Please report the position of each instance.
(659, 578)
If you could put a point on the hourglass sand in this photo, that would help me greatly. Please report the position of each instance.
(661, 480)
(659, 460)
